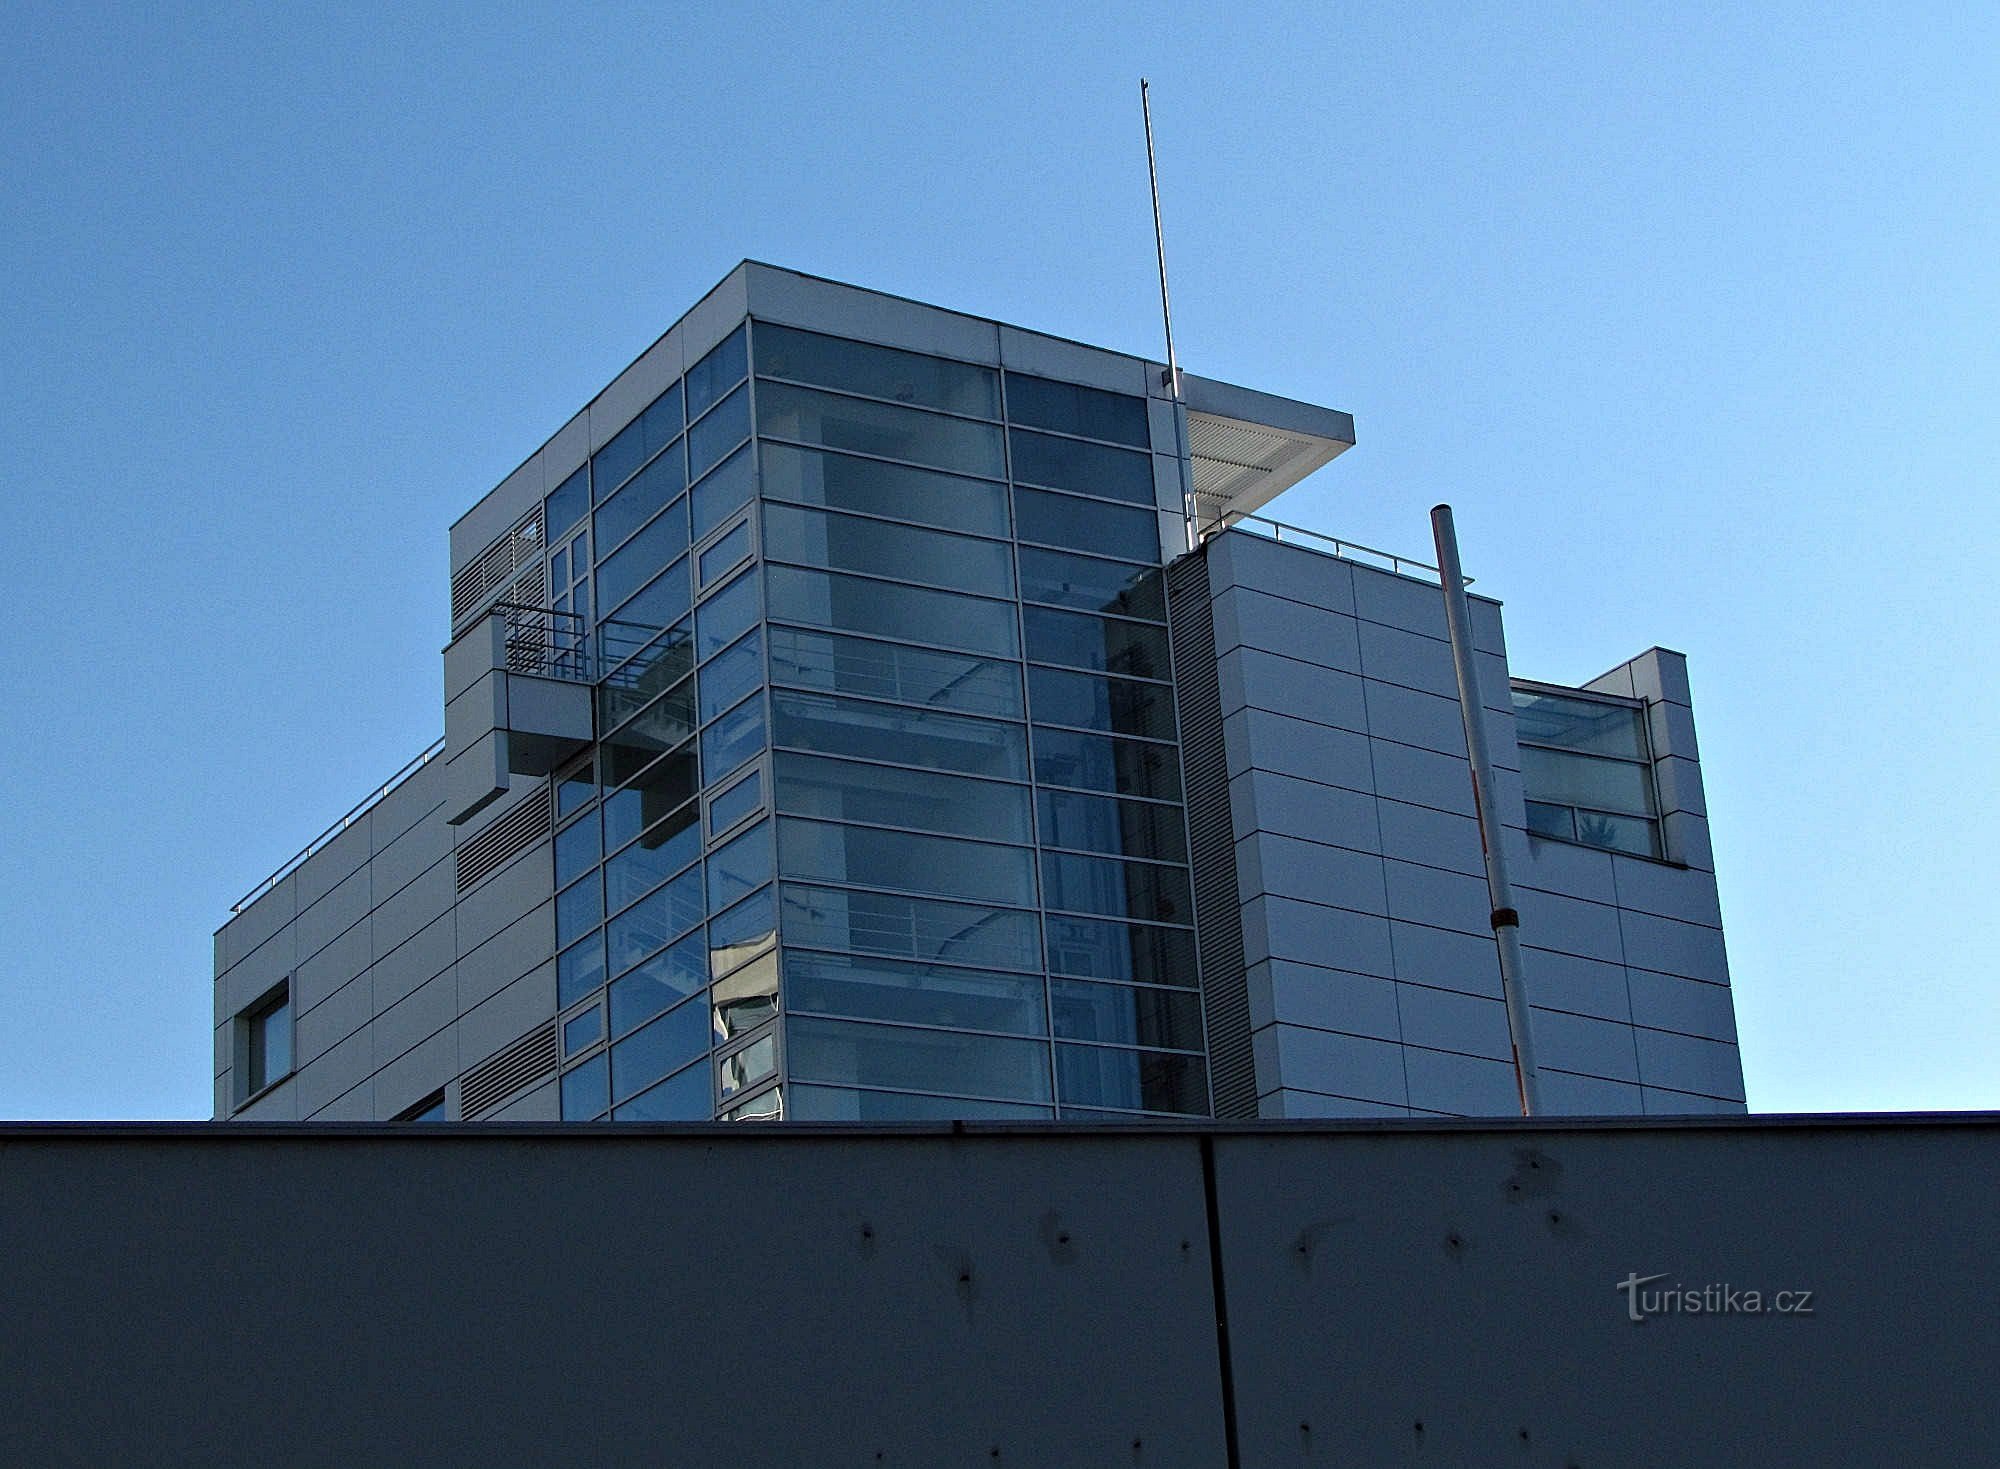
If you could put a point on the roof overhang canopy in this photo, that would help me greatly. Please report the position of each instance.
(1248, 447)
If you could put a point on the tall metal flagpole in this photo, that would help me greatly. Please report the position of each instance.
(1506, 922)
(1167, 316)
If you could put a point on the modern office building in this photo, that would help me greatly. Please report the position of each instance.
(839, 726)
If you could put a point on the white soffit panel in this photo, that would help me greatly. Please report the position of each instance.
(1239, 467)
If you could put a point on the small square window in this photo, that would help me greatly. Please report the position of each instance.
(264, 1040)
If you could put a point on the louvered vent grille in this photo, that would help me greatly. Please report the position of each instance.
(1218, 914)
(480, 581)
(513, 833)
(530, 1059)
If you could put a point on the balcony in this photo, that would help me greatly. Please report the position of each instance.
(517, 702)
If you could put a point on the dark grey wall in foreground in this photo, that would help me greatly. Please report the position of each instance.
(1394, 1293)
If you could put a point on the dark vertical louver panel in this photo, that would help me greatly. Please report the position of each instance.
(1218, 913)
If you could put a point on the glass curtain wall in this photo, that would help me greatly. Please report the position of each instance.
(890, 682)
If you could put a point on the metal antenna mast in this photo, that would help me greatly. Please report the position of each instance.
(1173, 383)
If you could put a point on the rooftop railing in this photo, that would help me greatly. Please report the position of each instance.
(1298, 535)
(361, 808)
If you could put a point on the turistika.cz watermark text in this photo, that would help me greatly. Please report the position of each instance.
(1721, 1299)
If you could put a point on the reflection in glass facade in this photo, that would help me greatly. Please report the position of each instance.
(884, 819)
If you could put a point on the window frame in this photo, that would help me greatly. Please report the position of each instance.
(1648, 764)
(246, 1046)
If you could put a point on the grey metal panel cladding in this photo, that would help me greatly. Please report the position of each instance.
(1218, 912)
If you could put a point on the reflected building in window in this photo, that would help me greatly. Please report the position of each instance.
(839, 726)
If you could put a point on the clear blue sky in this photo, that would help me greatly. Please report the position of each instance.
(1691, 314)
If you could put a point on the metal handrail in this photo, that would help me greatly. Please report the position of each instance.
(1279, 530)
(361, 808)
(540, 640)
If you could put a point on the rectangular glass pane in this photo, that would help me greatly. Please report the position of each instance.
(580, 969)
(718, 496)
(1138, 1081)
(1102, 763)
(1635, 834)
(738, 867)
(642, 728)
(840, 790)
(665, 979)
(660, 788)
(747, 1067)
(643, 496)
(730, 675)
(727, 615)
(856, 604)
(650, 924)
(682, 1097)
(664, 599)
(1563, 779)
(576, 850)
(566, 506)
(1103, 644)
(844, 1052)
(1126, 1015)
(1104, 824)
(944, 866)
(746, 998)
(910, 434)
(892, 734)
(880, 372)
(725, 555)
(1091, 949)
(1091, 584)
(733, 738)
(1584, 725)
(914, 928)
(746, 796)
(833, 542)
(1113, 705)
(850, 665)
(1116, 889)
(646, 658)
(726, 426)
(667, 1044)
(576, 787)
(846, 1104)
(918, 496)
(637, 442)
(1069, 408)
(916, 994)
(721, 369)
(764, 1107)
(1552, 821)
(736, 937)
(579, 907)
(581, 1032)
(1087, 525)
(1089, 469)
(636, 562)
(663, 849)
(585, 1093)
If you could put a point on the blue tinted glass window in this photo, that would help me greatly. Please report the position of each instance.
(730, 675)
(732, 739)
(577, 850)
(739, 867)
(849, 665)
(637, 442)
(659, 789)
(637, 655)
(955, 742)
(645, 494)
(581, 1032)
(747, 1067)
(729, 486)
(580, 969)
(845, 1051)
(665, 848)
(1114, 705)
(726, 615)
(947, 867)
(917, 994)
(1126, 1015)
(1091, 584)
(895, 491)
(911, 928)
(718, 372)
(1103, 763)
(1089, 469)
(851, 1104)
(566, 505)
(858, 604)
(714, 436)
(836, 542)
(664, 599)
(1104, 644)
(632, 565)
(741, 933)
(1137, 1081)
(682, 1097)
(576, 787)
(930, 439)
(1070, 408)
(726, 554)
(1104, 824)
(880, 372)
(586, 1090)
(659, 725)
(579, 907)
(841, 790)
(654, 922)
(669, 976)
(746, 796)
(1116, 889)
(746, 998)
(1087, 525)
(665, 1045)
(1092, 949)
